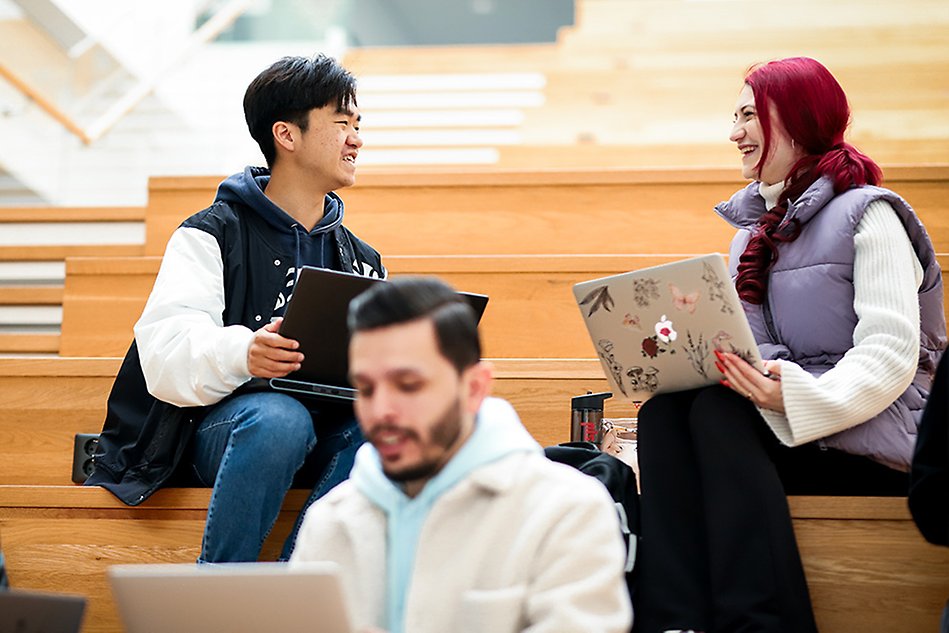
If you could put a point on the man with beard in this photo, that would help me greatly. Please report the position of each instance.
(453, 519)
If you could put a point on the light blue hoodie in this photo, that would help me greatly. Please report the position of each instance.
(498, 432)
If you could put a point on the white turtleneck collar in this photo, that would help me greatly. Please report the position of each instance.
(770, 193)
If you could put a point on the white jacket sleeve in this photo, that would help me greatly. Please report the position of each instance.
(188, 357)
(882, 362)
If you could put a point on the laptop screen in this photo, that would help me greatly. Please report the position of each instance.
(316, 317)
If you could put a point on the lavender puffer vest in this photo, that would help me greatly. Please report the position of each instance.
(809, 317)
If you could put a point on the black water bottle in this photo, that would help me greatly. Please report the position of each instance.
(587, 417)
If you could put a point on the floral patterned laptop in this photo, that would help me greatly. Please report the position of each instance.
(656, 329)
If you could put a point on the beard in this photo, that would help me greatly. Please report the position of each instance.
(444, 433)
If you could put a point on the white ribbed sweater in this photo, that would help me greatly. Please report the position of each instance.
(882, 362)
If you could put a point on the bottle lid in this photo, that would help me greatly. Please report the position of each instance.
(590, 401)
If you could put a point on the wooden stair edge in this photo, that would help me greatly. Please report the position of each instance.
(31, 295)
(54, 366)
(29, 342)
(80, 497)
(560, 176)
(58, 366)
(44, 252)
(71, 214)
(475, 263)
(94, 497)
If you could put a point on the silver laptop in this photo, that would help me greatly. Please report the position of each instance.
(316, 318)
(232, 597)
(656, 329)
(36, 612)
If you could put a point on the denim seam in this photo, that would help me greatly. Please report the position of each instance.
(207, 545)
(328, 472)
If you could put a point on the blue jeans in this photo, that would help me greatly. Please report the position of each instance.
(249, 448)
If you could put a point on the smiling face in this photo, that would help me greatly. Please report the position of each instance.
(413, 405)
(748, 134)
(327, 150)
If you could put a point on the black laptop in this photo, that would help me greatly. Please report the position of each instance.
(316, 318)
(34, 612)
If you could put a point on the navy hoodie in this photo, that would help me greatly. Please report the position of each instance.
(313, 248)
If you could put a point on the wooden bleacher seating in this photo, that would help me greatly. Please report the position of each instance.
(512, 327)
(24, 340)
(498, 230)
(539, 211)
(65, 527)
(46, 401)
(867, 567)
(507, 212)
(523, 232)
(501, 228)
(652, 82)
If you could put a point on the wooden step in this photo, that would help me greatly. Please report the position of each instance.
(72, 214)
(31, 295)
(539, 211)
(29, 343)
(513, 326)
(868, 568)
(63, 539)
(45, 402)
(532, 312)
(14, 300)
(590, 149)
(61, 252)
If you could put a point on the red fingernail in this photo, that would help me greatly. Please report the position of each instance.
(719, 367)
(724, 383)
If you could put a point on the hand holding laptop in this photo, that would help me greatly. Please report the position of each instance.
(762, 389)
(271, 355)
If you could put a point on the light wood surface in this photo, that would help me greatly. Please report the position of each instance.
(532, 312)
(44, 402)
(64, 539)
(534, 211)
(29, 343)
(31, 295)
(44, 253)
(72, 214)
(867, 567)
(586, 149)
(652, 82)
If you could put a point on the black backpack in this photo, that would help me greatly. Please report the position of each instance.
(620, 481)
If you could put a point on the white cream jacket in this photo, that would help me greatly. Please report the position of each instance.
(522, 544)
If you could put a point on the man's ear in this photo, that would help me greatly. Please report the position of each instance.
(477, 380)
(285, 135)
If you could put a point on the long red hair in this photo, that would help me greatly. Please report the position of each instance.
(813, 110)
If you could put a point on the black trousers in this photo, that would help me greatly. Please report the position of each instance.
(718, 552)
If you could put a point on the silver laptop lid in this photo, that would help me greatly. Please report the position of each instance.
(655, 330)
(232, 597)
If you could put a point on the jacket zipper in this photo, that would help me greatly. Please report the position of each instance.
(769, 321)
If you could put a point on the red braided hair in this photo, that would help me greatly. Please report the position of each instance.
(813, 110)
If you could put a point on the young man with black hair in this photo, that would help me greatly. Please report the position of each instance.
(453, 519)
(181, 410)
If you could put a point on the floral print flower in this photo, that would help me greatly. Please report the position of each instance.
(650, 347)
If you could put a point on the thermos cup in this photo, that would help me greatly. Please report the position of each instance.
(587, 416)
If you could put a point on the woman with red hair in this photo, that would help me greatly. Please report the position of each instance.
(841, 286)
